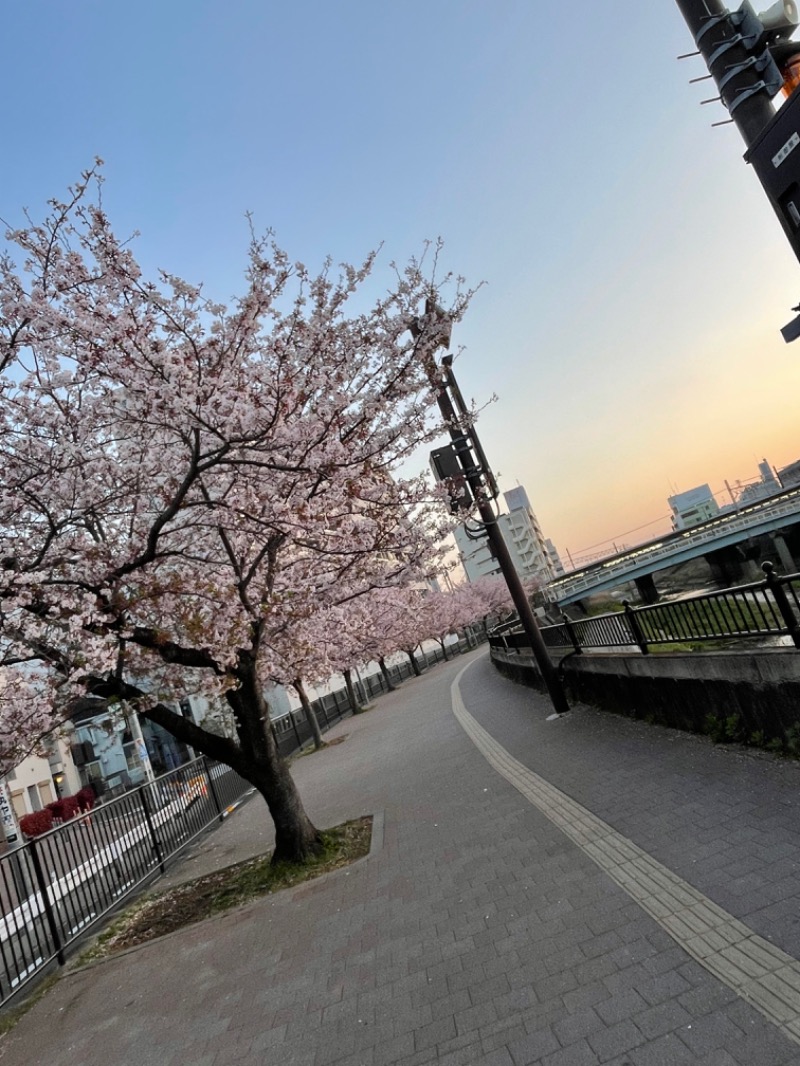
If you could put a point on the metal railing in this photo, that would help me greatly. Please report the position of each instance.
(58, 886)
(769, 608)
(293, 731)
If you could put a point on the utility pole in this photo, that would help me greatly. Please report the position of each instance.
(724, 43)
(482, 484)
(751, 59)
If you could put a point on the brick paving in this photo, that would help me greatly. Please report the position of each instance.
(477, 932)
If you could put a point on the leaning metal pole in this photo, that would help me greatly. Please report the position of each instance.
(475, 476)
(719, 44)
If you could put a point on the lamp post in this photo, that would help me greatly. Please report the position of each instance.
(432, 332)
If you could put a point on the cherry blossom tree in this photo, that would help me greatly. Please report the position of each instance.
(182, 480)
(492, 599)
(441, 613)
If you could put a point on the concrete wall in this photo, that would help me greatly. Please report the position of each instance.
(757, 692)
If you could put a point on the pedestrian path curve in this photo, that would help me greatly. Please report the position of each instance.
(758, 971)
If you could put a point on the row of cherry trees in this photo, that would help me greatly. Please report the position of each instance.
(198, 496)
(391, 621)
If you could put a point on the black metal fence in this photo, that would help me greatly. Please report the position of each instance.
(293, 731)
(60, 885)
(769, 608)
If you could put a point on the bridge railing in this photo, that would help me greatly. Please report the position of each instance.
(677, 543)
(768, 608)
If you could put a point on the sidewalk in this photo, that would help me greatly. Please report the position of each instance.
(490, 924)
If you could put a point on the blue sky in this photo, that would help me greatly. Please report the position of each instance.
(636, 278)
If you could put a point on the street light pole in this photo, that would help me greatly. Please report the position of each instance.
(479, 477)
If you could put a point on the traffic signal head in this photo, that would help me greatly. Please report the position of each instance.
(787, 57)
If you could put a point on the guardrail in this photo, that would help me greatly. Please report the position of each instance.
(58, 886)
(768, 608)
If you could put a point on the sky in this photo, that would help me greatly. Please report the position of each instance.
(634, 276)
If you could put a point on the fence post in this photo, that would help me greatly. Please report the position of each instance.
(159, 851)
(322, 707)
(47, 903)
(636, 629)
(296, 731)
(573, 636)
(22, 883)
(212, 788)
(773, 583)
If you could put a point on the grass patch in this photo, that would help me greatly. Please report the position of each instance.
(155, 915)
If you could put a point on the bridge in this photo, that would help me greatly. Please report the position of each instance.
(707, 539)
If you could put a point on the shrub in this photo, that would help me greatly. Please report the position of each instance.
(86, 798)
(33, 825)
(714, 728)
(727, 730)
(793, 739)
(65, 808)
(734, 728)
(56, 808)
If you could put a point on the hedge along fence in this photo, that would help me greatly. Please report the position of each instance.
(36, 824)
(56, 813)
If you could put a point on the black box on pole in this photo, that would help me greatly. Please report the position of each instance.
(775, 157)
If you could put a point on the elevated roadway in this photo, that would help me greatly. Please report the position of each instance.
(766, 516)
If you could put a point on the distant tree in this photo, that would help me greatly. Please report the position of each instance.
(181, 481)
(492, 599)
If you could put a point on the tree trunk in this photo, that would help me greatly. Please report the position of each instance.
(351, 692)
(386, 675)
(296, 838)
(362, 688)
(441, 644)
(255, 757)
(414, 664)
(312, 718)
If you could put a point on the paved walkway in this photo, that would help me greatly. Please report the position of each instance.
(588, 890)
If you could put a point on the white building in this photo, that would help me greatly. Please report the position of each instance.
(37, 781)
(555, 559)
(692, 507)
(523, 536)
